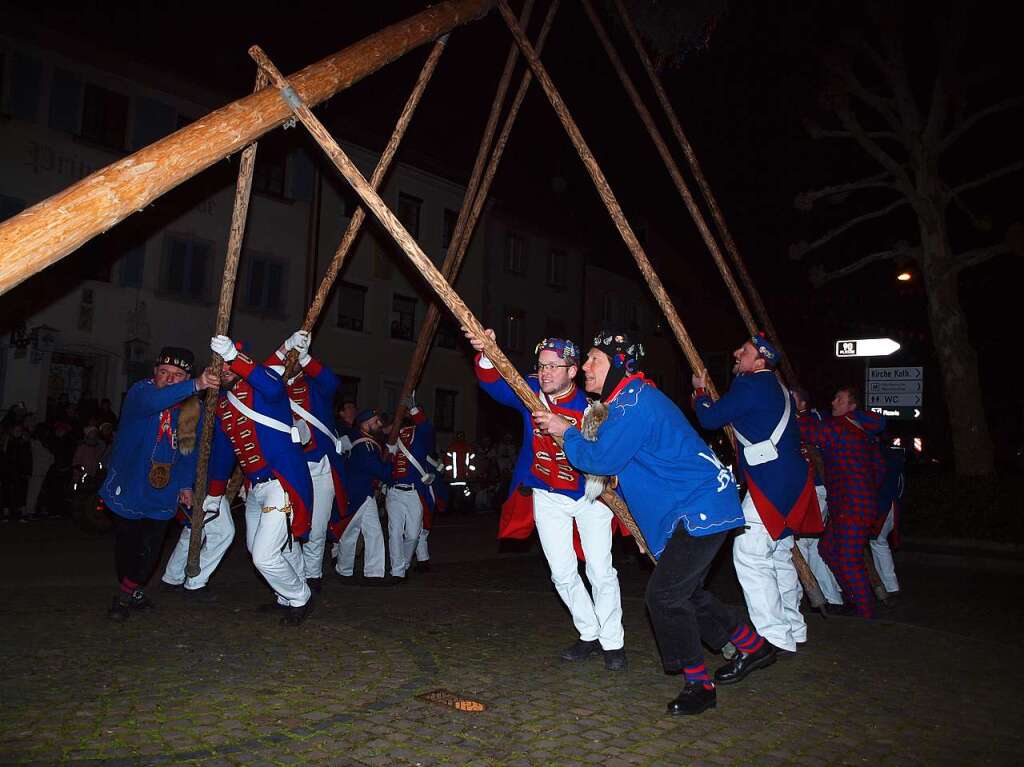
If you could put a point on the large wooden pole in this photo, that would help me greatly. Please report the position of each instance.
(606, 194)
(810, 583)
(243, 192)
(355, 224)
(476, 195)
(383, 166)
(709, 197)
(49, 230)
(426, 267)
(673, 169)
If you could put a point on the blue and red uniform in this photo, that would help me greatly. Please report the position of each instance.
(420, 440)
(853, 475)
(782, 489)
(262, 452)
(313, 389)
(542, 463)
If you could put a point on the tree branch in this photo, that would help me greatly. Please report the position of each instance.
(982, 180)
(806, 200)
(887, 161)
(977, 117)
(805, 248)
(873, 100)
(874, 134)
(819, 277)
(972, 258)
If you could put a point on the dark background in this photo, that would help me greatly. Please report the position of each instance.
(744, 77)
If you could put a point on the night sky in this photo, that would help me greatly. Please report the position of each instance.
(745, 79)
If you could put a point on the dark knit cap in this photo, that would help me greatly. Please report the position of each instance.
(177, 356)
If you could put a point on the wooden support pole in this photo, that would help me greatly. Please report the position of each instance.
(420, 260)
(673, 169)
(606, 194)
(472, 205)
(355, 224)
(49, 230)
(709, 197)
(810, 583)
(243, 192)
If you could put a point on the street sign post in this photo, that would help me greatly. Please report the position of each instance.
(896, 392)
(899, 413)
(866, 347)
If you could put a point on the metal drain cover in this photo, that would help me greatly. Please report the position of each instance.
(453, 700)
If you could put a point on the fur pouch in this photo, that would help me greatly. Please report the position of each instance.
(188, 423)
(595, 415)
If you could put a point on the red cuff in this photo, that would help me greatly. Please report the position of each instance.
(313, 367)
(217, 487)
(485, 375)
(243, 365)
(418, 417)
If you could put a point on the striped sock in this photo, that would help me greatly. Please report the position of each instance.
(698, 673)
(128, 586)
(747, 640)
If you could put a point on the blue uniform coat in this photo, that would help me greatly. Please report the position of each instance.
(667, 474)
(782, 489)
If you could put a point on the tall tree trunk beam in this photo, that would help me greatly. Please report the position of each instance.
(53, 228)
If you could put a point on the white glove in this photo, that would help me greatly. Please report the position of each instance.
(344, 444)
(223, 346)
(212, 502)
(299, 341)
(305, 435)
(427, 479)
(410, 401)
(392, 447)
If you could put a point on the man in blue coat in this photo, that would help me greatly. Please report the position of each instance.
(311, 392)
(780, 502)
(366, 469)
(548, 490)
(255, 428)
(684, 501)
(410, 498)
(152, 470)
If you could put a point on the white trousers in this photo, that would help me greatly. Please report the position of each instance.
(266, 536)
(365, 521)
(323, 502)
(422, 552)
(405, 520)
(882, 555)
(218, 533)
(770, 584)
(819, 569)
(599, 617)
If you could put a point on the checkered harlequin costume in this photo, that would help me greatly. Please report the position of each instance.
(853, 475)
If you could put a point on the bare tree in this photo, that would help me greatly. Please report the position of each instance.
(908, 114)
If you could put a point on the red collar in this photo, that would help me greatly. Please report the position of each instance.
(569, 394)
(638, 376)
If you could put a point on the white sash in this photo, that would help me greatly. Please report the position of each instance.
(266, 420)
(757, 453)
(416, 464)
(341, 444)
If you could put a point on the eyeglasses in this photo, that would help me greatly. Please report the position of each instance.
(543, 366)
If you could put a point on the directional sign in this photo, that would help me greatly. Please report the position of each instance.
(902, 386)
(883, 399)
(899, 413)
(866, 347)
(896, 374)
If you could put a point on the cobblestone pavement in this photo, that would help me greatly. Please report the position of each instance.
(223, 684)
